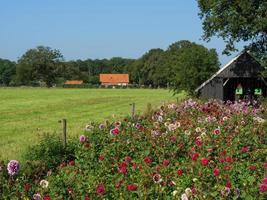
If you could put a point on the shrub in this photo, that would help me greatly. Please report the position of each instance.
(50, 151)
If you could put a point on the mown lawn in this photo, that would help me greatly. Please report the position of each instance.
(27, 112)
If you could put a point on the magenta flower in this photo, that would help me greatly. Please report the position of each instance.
(115, 131)
(83, 139)
(13, 167)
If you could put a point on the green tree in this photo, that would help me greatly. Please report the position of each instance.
(7, 71)
(191, 65)
(234, 21)
(39, 64)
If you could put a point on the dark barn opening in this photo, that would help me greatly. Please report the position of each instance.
(239, 79)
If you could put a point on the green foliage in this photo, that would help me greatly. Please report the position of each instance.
(39, 64)
(50, 151)
(7, 71)
(235, 21)
(191, 64)
(201, 150)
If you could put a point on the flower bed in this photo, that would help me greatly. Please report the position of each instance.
(192, 150)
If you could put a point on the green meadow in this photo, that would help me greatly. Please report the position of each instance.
(26, 113)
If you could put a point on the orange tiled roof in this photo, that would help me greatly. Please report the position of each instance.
(114, 78)
(74, 82)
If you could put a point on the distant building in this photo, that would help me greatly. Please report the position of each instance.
(239, 79)
(73, 82)
(114, 79)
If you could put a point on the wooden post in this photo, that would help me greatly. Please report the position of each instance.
(133, 110)
(64, 128)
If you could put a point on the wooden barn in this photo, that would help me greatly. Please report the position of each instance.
(239, 79)
(114, 79)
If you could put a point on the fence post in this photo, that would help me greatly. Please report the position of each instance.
(64, 128)
(133, 110)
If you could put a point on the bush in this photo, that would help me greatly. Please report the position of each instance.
(50, 151)
(193, 150)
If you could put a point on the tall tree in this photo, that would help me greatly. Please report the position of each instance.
(191, 65)
(7, 71)
(234, 21)
(39, 64)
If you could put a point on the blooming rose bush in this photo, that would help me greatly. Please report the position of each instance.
(192, 150)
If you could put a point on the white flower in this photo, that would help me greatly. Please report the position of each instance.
(198, 129)
(187, 132)
(188, 192)
(194, 179)
(184, 197)
(89, 127)
(157, 178)
(174, 193)
(44, 183)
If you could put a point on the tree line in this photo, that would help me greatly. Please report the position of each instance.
(183, 65)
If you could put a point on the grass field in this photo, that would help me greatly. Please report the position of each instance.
(27, 112)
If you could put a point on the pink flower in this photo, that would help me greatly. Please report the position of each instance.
(264, 165)
(100, 189)
(83, 139)
(204, 161)
(216, 172)
(115, 131)
(264, 181)
(217, 131)
(263, 187)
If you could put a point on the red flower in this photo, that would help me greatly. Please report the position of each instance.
(101, 158)
(115, 131)
(72, 163)
(27, 187)
(132, 187)
(173, 139)
(180, 172)
(222, 160)
(123, 164)
(229, 159)
(198, 142)
(264, 165)
(87, 145)
(216, 172)
(252, 168)
(46, 197)
(147, 160)
(264, 181)
(166, 163)
(86, 198)
(226, 167)
(100, 189)
(245, 149)
(204, 161)
(194, 156)
(122, 170)
(228, 184)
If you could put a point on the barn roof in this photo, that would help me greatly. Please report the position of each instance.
(222, 69)
(74, 82)
(114, 78)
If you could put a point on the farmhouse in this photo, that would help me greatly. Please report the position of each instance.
(239, 79)
(114, 79)
(73, 82)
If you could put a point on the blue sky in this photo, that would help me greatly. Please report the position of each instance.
(83, 29)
